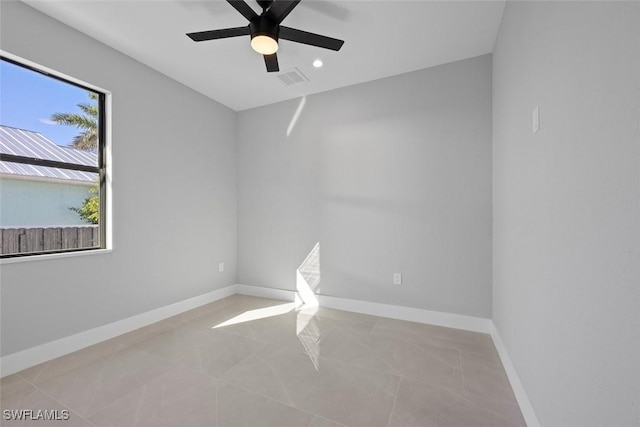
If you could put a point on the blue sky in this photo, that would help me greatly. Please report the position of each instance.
(28, 98)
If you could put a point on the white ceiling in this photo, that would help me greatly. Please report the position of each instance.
(382, 38)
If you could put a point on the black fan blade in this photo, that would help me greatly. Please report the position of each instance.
(271, 61)
(219, 34)
(244, 9)
(312, 39)
(280, 9)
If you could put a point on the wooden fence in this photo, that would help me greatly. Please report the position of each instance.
(24, 240)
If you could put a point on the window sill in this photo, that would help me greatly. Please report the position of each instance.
(46, 257)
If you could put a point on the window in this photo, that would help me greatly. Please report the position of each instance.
(52, 162)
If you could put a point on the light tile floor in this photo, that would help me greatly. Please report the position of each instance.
(246, 361)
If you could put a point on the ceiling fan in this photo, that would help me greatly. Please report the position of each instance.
(265, 30)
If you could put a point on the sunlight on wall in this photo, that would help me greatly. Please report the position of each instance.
(307, 281)
(296, 115)
(308, 277)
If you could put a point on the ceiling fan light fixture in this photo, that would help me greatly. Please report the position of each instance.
(265, 30)
(264, 44)
(264, 35)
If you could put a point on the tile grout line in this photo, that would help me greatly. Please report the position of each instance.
(26, 380)
(56, 400)
(339, 361)
(284, 388)
(100, 375)
(496, 400)
(219, 378)
(144, 393)
(290, 405)
(395, 398)
(144, 384)
(326, 419)
(217, 406)
(461, 371)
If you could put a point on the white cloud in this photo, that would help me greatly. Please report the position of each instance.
(47, 122)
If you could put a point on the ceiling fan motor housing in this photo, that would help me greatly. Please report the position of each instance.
(263, 26)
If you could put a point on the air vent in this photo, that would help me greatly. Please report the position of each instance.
(292, 77)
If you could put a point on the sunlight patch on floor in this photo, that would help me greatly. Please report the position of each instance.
(259, 313)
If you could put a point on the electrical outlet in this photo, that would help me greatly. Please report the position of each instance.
(397, 278)
(221, 267)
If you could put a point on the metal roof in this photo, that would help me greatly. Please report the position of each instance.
(21, 142)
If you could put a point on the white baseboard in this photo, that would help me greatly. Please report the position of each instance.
(449, 320)
(262, 292)
(526, 407)
(16, 362)
(458, 321)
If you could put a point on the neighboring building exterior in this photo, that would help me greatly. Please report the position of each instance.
(38, 196)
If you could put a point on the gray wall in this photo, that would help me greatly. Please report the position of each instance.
(566, 297)
(389, 176)
(174, 184)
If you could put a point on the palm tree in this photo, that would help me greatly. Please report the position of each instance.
(87, 139)
(86, 122)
